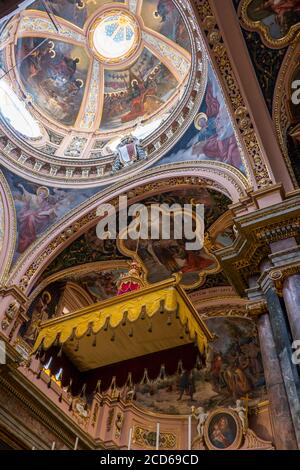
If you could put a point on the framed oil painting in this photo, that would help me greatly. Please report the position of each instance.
(277, 20)
(223, 430)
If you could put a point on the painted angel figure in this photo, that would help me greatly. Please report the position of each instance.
(201, 417)
(242, 413)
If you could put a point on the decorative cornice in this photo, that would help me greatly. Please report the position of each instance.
(44, 409)
(279, 275)
(257, 308)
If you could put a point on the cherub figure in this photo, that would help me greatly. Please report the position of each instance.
(201, 417)
(241, 411)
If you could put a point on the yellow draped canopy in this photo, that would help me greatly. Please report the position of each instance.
(154, 318)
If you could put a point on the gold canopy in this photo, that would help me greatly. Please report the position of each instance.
(151, 319)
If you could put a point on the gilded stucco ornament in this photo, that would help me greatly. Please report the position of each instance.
(284, 112)
(146, 438)
(261, 173)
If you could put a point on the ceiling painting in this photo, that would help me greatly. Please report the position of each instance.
(73, 11)
(38, 207)
(163, 17)
(94, 73)
(55, 76)
(160, 258)
(136, 92)
(212, 135)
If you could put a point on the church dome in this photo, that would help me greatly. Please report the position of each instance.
(83, 75)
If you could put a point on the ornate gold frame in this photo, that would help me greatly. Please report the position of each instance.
(293, 34)
(239, 435)
(282, 95)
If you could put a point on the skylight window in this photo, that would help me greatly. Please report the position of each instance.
(15, 113)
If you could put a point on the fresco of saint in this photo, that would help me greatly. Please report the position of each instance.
(211, 136)
(216, 141)
(38, 207)
(136, 92)
(163, 16)
(54, 75)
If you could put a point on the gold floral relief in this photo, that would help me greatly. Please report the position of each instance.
(278, 21)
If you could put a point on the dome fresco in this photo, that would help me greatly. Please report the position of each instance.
(95, 72)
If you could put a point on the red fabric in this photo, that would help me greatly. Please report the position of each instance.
(212, 103)
(283, 7)
(225, 150)
(128, 287)
(31, 223)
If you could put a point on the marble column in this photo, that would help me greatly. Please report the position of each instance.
(284, 253)
(282, 342)
(291, 296)
(283, 428)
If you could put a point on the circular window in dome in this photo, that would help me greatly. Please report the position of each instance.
(114, 36)
(15, 113)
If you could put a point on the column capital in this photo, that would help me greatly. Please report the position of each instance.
(256, 232)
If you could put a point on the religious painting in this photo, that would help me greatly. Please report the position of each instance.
(211, 136)
(101, 285)
(163, 257)
(86, 249)
(222, 430)
(38, 207)
(89, 248)
(232, 370)
(54, 75)
(163, 17)
(136, 92)
(74, 11)
(278, 20)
